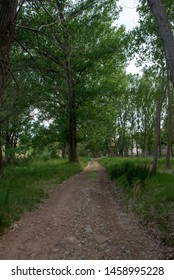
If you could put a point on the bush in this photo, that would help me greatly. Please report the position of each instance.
(46, 155)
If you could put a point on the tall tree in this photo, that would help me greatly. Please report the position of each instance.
(170, 123)
(73, 42)
(159, 103)
(165, 32)
(8, 9)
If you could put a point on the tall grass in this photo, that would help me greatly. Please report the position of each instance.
(155, 202)
(134, 172)
(23, 188)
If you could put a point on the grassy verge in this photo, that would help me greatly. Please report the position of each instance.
(23, 188)
(154, 202)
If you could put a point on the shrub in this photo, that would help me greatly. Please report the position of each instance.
(46, 155)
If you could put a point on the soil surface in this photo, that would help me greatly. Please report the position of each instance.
(83, 219)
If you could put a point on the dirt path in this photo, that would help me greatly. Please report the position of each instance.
(82, 219)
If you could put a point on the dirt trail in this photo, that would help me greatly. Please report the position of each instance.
(82, 219)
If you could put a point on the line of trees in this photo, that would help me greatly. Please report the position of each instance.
(63, 83)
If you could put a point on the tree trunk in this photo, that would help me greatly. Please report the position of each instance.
(157, 126)
(7, 17)
(72, 143)
(64, 150)
(72, 127)
(72, 139)
(165, 32)
(1, 158)
(170, 125)
(145, 143)
(109, 147)
(7, 20)
(160, 147)
(10, 146)
(157, 134)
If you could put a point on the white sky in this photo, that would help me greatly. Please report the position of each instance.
(129, 17)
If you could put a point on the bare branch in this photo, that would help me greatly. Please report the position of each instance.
(14, 79)
(20, 7)
(27, 51)
(54, 59)
(46, 25)
(43, 6)
(29, 28)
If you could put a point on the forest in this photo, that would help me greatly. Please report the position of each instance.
(65, 92)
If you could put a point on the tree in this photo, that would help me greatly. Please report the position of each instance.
(170, 122)
(8, 10)
(165, 31)
(72, 41)
(148, 40)
(159, 103)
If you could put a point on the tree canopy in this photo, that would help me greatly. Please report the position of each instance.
(68, 87)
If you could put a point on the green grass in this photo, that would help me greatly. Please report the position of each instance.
(23, 188)
(134, 172)
(154, 203)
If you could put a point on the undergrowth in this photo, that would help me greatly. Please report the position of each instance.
(154, 202)
(135, 174)
(24, 187)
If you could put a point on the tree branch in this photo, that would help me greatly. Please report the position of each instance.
(20, 7)
(27, 51)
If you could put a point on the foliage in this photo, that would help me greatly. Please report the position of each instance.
(114, 112)
(54, 35)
